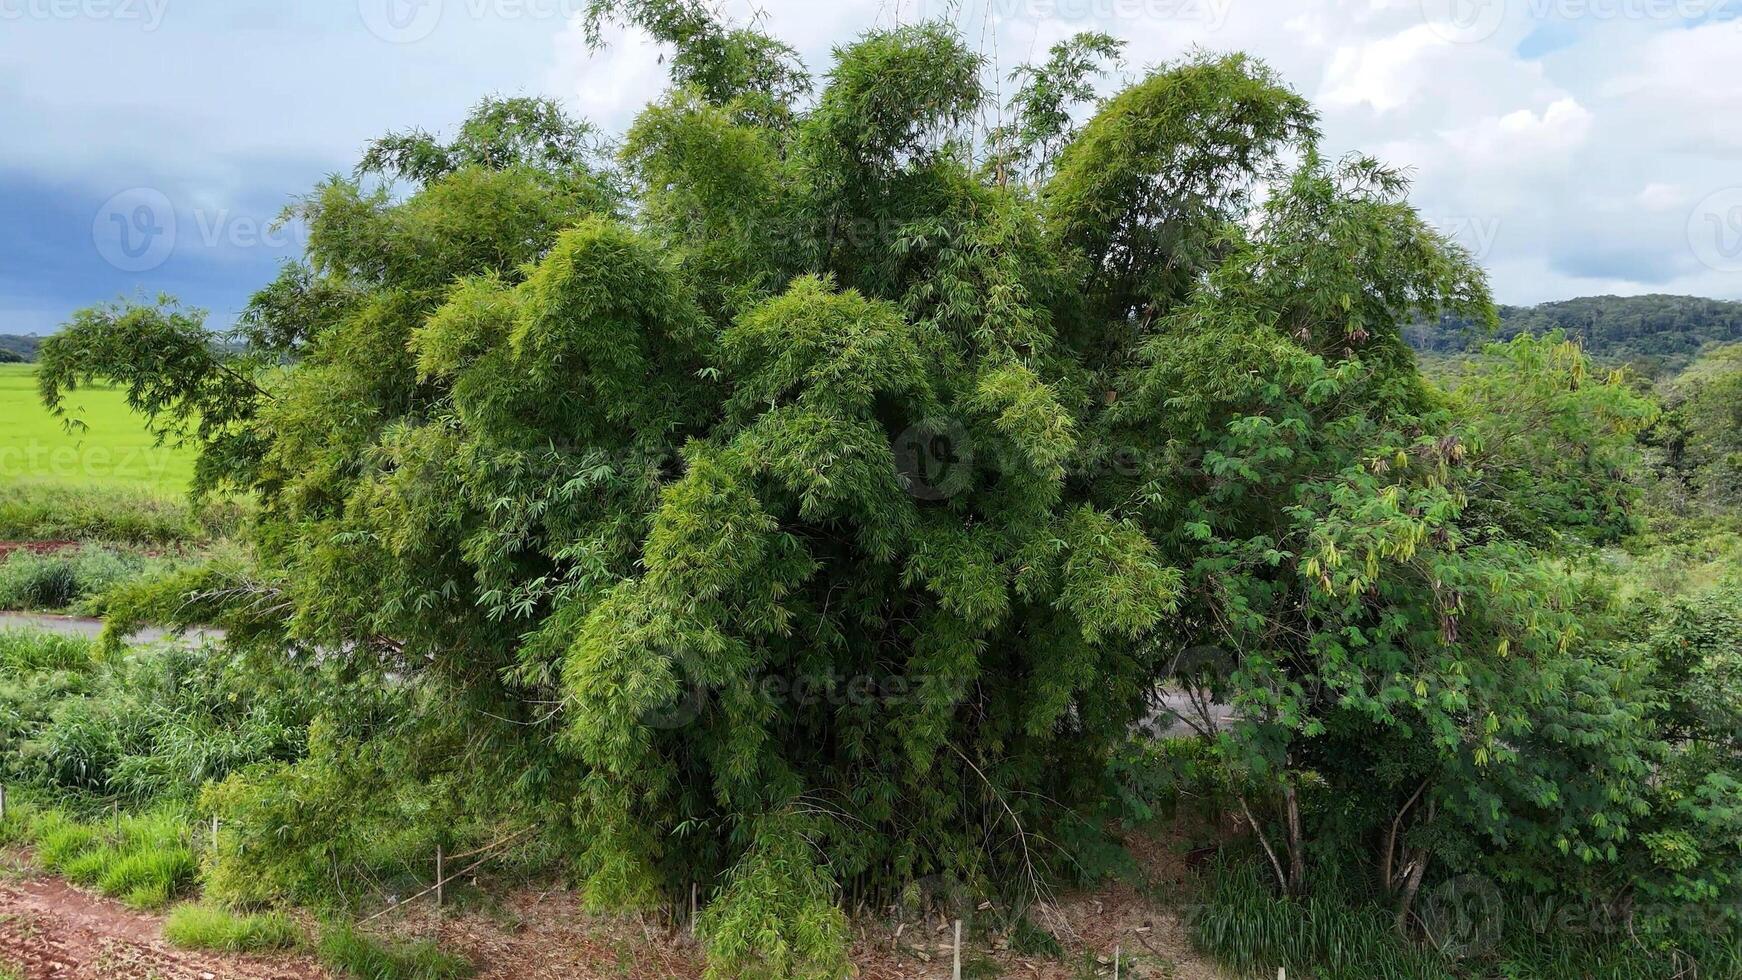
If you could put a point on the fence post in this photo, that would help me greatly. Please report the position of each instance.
(956, 971)
(2, 801)
(439, 877)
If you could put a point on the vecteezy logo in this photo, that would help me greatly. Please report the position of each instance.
(134, 231)
(934, 459)
(682, 708)
(1462, 917)
(1715, 230)
(401, 21)
(1464, 21)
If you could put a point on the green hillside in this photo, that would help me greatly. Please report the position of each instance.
(18, 347)
(1657, 334)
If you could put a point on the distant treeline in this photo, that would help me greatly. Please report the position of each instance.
(15, 348)
(1657, 334)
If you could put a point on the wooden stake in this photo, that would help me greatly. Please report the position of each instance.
(956, 972)
(439, 880)
(214, 831)
(1115, 963)
(695, 904)
(2, 801)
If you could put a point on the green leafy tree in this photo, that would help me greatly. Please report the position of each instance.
(800, 507)
(1700, 440)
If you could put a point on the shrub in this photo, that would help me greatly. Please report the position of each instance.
(346, 950)
(67, 579)
(148, 724)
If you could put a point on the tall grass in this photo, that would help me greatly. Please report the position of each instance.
(67, 579)
(208, 927)
(140, 727)
(46, 511)
(143, 860)
(346, 950)
(1246, 926)
(33, 651)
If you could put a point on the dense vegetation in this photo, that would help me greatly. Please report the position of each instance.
(807, 501)
(1655, 334)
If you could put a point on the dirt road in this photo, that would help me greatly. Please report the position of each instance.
(50, 930)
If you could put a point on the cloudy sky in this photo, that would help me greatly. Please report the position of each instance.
(1578, 146)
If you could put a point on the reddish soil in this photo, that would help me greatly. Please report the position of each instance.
(37, 547)
(544, 936)
(50, 930)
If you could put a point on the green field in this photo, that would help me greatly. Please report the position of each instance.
(114, 451)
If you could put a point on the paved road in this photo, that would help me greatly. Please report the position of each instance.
(78, 626)
(1169, 717)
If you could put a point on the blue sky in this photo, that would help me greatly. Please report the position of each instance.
(1577, 146)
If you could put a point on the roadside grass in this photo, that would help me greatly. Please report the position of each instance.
(199, 926)
(34, 651)
(143, 860)
(113, 448)
(39, 510)
(73, 579)
(1248, 928)
(346, 950)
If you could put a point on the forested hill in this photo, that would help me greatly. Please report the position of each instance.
(1659, 333)
(14, 347)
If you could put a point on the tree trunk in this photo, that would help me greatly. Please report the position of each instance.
(1296, 847)
(1264, 842)
(1388, 849)
(1411, 885)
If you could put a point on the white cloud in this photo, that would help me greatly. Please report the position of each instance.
(1523, 138)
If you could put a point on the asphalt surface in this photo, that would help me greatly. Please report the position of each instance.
(92, 628)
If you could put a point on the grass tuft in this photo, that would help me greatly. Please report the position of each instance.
(347, 951)
(208, 927)
(34, 651)
(142, 860)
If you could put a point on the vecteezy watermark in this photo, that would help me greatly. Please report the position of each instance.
(1463, 916)
(1475, 233)
(1464, 21)
(139, 229)
(134, 231)
(935, 459)
(63, 461)
(1715, 230)
(833, 690)
(1473, 21)
(147, 13)
(1211, 14)
(410, 21)
(401, 21)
